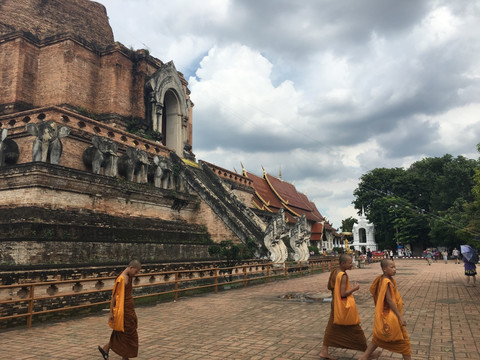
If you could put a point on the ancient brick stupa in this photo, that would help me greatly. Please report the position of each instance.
(96, 159)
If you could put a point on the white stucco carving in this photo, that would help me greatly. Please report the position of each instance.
(299, 239)
(276, 233)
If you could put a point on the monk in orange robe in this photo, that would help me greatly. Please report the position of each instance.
(122, 318)
(343, 329)
(389, 324)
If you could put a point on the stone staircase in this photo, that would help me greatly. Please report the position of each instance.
(241, 220)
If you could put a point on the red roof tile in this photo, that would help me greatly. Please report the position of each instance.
(263, 192)
(275, 194)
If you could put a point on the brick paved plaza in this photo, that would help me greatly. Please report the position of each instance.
(256, 323)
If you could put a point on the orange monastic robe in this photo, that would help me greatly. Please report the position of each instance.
(388, 333)
(118, 298)
(124, 338)
(342, 336)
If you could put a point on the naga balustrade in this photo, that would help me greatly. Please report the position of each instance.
(29, 299)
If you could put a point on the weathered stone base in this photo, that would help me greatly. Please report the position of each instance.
(53, 215)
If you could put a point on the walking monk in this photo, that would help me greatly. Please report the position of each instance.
(343, 329)
(122, 318)
(389, 324)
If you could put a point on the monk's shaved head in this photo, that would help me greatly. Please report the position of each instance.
(135, 264)
(343, 259)
(384, 263)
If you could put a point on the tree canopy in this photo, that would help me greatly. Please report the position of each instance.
(431, 203)
(347, 224)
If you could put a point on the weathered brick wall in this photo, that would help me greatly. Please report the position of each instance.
(215, 226)
(65, 72)
(50, 186)
(59, 237)
(46, 18)
(10, 74)
(84, 252)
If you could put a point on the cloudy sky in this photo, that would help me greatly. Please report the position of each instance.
(324, 90)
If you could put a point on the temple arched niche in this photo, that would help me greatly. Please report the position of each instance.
(362, 235)
(168, 109)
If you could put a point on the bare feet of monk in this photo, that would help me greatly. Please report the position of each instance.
(324, 353)
(326, 356)
(374, 355)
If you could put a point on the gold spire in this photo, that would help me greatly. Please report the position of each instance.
(280, 172)
(244, 172)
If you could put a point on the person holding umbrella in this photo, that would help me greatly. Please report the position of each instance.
(470, 259)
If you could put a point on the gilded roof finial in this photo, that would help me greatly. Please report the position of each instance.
(244, 172)
(264, 172)
(280, 172)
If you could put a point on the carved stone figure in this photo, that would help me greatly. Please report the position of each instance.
(134, 164)
(299, 239)
(47, 146)
(103, 153)
(8, 149)
(163, 172)
(187, 151)
(276, 233)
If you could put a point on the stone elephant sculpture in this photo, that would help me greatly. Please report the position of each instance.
(134, 163)
(162, 175)
(8, 149)
(103, 153)
(47, 146)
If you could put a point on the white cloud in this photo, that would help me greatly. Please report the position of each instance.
(237, 80)
(326, 90)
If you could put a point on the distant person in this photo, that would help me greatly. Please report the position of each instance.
(389, 324)
(343, 329)
(470, 271)
(428, 257)
(391, 254)
(445, 256)
(369, 256)
(122, 318)
(456, 255)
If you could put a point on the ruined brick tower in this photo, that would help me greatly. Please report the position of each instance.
(97, 162)
(75, 106)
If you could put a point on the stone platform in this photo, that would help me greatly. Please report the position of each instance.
(260, 322)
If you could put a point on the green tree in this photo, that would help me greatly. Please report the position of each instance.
(372, 193)
(424, 205)
(449, 227)
(347, 224)
(472, 210)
